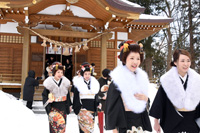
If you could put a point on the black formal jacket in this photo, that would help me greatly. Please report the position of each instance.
(162, 107)
(115, 115)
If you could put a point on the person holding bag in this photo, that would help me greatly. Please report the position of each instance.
(56, 98)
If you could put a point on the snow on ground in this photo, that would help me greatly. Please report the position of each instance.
(16, 118)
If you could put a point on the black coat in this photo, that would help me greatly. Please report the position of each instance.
(68, 70)
(115, 115)
(102, 82)
(101, 94)
(163, 109)
(29, 86)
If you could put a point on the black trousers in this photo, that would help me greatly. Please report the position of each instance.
(29, 104)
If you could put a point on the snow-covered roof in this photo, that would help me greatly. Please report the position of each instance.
(147, 16)
(131, 3)
(126, 5)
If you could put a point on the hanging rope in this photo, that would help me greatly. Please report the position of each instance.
(69, 45)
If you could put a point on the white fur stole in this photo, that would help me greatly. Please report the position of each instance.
(129, 83)
(82, 86)
(173, 87)
(53, 87)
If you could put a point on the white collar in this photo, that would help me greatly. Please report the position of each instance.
(82, 86)
(129, 83)
(173, 87)
(56, 80)
(183, 78)
(87, 81)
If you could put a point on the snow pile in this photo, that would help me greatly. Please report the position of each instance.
(15, 117)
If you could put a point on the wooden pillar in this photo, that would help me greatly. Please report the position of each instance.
(25, 59)
(103, 53)
(116, 47)
(104, 39)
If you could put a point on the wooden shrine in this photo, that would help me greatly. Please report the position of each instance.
(110, 20)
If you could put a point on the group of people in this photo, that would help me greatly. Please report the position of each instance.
(124, 99)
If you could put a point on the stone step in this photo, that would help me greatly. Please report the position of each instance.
(38, 98)
(38, 107)
(37, 94)
(39, 90)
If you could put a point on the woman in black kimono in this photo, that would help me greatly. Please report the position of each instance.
(85, 100)
(56, 98)
(177, 101)
(127, 97)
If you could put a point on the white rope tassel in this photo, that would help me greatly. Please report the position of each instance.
(77, 49)
(85, 47)
(55, 48)
(66, 52)
(44, 43)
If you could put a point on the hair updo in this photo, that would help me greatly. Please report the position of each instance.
(129, 46)
(85, 66)
(57, 66)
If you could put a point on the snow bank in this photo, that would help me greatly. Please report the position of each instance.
(15, 117)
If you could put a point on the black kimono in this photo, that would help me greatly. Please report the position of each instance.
(85, 102)
(116, 116)
(121, 91)
(101, 94)
(58, 109)
(164, 107)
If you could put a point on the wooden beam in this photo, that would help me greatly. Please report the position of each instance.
(3, 21)
(2, 14)
(103, 53)
(22, 3)
(16, 17)
(104, 39)
(60, 33)
(4, 4)
(115, 24)
(66, 19)
(25, 59)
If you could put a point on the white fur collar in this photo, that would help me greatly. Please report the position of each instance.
(129, 83)
(53, 87)
(82, 87)
(173, 87)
